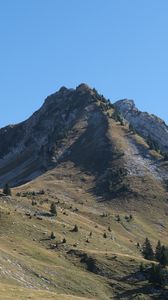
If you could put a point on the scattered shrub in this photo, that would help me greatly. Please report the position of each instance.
(165, 156)
(53, 209)
(76, 209)
(52, 236)
(132, 129)
(109, 228)
(105, 235)
(75, 229)
(118, 219)
(128, 218)
(41, 192)
(34, 202)
(141, 267)
(153, 145)
(138, 245)
(104, 215)
(117, 117)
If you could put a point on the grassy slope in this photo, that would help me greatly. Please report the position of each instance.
(30, 269)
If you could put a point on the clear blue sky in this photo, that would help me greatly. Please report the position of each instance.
(120, 47)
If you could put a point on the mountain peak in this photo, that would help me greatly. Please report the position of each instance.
(63, 89)
(83, 87)
(47, 137)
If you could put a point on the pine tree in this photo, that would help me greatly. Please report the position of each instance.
(52, 236)
(158, 251)
(64, 240)
(164, 256)
(147, 250)
(53, 209)
(157, 276)
(7, 190)
(105, 235)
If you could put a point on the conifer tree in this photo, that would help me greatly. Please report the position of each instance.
(53, 209)
(52, 236)
(164, 256)
(157, 276)
(158, 251)
(147, 250)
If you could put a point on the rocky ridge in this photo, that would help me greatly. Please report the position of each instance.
(147, 125)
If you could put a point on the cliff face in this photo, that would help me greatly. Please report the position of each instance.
(147, 125)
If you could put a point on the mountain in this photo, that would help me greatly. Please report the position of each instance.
(61, 129)
(147, 125)
(107, 175)
(80, 126)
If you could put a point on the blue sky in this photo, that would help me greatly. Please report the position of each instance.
(120, 47)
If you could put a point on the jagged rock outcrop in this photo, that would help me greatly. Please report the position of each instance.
(147, 125)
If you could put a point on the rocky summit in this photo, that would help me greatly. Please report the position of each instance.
(84, 201)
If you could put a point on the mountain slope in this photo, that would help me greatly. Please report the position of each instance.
(88, 263)
(77, 152)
